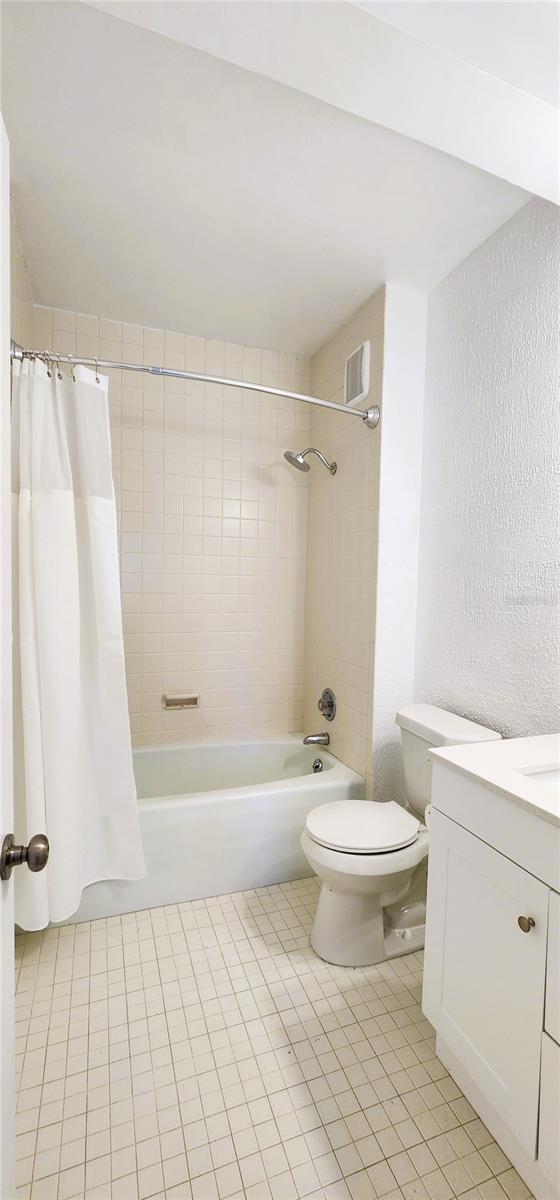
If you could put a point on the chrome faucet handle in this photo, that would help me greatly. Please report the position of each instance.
(327, 704)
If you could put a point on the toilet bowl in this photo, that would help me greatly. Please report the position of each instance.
(365, 855)
(371, 857)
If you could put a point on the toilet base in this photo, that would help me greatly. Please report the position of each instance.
(350, 930)
(404, 941)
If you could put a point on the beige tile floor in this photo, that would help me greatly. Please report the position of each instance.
(202, 1050)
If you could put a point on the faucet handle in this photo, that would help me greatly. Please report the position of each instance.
(327, 705)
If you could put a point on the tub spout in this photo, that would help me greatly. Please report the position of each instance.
(317, 739)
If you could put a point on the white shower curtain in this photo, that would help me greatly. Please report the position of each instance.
(73, 773)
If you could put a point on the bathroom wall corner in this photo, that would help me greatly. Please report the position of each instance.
(21, 322)
(402, 414)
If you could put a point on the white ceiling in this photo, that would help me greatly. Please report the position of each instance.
(163, 186)
(518, 41)
(346, 56)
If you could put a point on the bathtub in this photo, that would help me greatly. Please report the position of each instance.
(221, 817)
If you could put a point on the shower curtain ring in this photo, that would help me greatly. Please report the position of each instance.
(97, 379)
(72, 369)
(49, 365)
(58, 371)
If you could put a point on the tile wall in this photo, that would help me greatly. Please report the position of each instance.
(233, 586)
(342, 547)
(213, 528)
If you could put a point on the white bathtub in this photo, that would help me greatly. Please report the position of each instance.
(221, 818)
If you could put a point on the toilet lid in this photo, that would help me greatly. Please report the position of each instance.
(362, 826)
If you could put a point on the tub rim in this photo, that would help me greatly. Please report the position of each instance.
(336, 772)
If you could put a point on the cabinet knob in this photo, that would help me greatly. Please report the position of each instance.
(526, 924)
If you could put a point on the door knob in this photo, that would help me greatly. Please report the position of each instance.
(526, 924)
(35, 854)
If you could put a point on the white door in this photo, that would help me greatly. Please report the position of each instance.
(7, 1027)
(484, 978)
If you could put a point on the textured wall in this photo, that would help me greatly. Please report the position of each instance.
(342, 547)
(488, 620)
(212, 528)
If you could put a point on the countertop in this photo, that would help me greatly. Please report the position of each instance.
(526, 770)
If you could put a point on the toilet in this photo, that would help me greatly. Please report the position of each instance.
(372, 857)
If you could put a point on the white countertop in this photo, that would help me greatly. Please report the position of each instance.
(526, 770)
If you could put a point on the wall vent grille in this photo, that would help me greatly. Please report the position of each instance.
(356, 384)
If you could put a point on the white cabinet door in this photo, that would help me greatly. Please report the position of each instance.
(552, 1011)
(484, 977)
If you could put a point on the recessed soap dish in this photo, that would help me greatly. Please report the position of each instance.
(180, 700)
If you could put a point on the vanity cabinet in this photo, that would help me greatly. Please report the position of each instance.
(485, 978)
(492, 957)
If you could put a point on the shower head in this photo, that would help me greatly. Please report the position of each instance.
(298, 460)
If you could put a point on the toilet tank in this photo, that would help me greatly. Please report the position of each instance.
(424, 726)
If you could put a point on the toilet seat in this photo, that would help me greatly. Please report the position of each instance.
(362, 827)
(367, 866)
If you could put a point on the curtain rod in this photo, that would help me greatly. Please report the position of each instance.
(370, 417)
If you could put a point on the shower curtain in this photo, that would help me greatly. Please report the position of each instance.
(73, 777)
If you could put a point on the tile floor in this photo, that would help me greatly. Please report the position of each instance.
(203, 1051)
